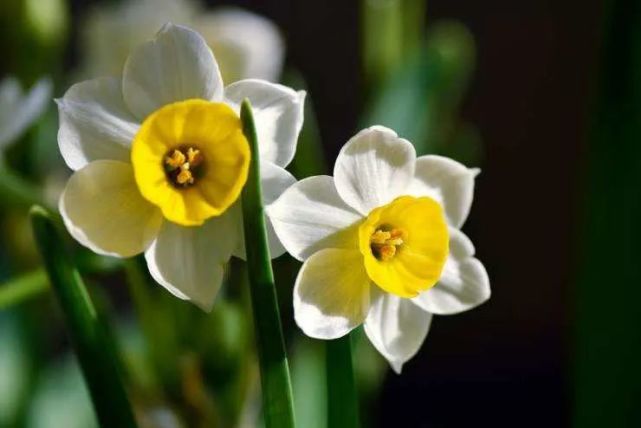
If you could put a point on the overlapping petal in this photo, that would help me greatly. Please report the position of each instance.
(95, 123)
(274, 181)
(189, 261)
(332, 293)
(16, 112)
(373, 168)
(464, 283)
(449, 182)
(103, 210)
(310, 216)
(396, 327)
(278, 113)
(176, 65)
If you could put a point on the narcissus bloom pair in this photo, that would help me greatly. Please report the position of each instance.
(160, 160)
(381, 244)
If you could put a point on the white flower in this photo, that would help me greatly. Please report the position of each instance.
(381, 244)
(160, 160)
(246, 45)
(18, 110)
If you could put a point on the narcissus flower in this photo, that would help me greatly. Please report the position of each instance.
(160, 160)
(246, 45)
(19, 110)
(381, 244)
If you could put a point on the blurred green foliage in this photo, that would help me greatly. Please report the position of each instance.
(608, 337)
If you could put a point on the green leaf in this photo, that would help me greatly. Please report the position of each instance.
(23, 287)
(15, 190)
(342, 399)
(309, 380)
(278, 406)
(89, 335)
(606, 315)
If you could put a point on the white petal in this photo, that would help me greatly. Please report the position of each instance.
(396, 327)
(176, 65)
(311, 216)
(331, 295)
(274, 181)
(449, 182)
(95, 123)
(246, 45)
(16, 113)
(464, 283)
(104, 211)
(373, 168)
(189, 261)
(278, 112)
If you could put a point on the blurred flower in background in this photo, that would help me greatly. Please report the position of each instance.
(246, 45)
(19, 109)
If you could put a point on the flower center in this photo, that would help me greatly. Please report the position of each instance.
(191, 160)
(385, 242)
(405, 244)
(183, 166)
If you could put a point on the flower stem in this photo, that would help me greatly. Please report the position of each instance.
(16, 190)
(23, 287)
(89, 335)
(342, 400)
(278, 406)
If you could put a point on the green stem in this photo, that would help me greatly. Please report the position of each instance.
(30, 285)
(23, 288)
(89, 335)
(342, 400)
(15, 190)
(278, 406)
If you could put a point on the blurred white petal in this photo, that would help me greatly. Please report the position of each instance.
(111, 30)
(246, 45)
(18, 111)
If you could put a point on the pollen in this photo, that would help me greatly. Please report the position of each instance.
(182, 166)
(385, 242)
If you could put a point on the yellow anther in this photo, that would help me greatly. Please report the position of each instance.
(387, 252)
(181, 165)
(185, 177)
(380, 237)
(194, 157)
(175, 160)
(384, 243)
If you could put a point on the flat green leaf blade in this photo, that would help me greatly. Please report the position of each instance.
(92, 345)
(342, 400)
(278, 406)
